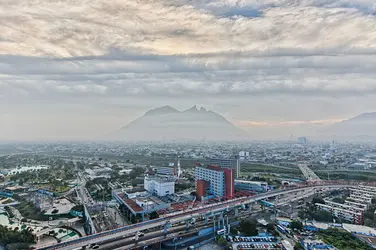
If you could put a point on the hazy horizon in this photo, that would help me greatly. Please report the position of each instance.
(76, 70)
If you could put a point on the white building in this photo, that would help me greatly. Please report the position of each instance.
(159, 186)
(243, 155)
(355, 217)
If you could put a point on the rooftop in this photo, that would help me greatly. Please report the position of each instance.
(159, 179)
(359, 229)
(134, 190)
(318, 244)
(133, 205)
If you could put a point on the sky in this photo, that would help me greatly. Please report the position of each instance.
(78, 69)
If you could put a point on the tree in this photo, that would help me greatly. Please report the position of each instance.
(298, 246)
(373, 200)
(221, 240)
(339, 200)
(318, 200)
(233, 230)
(248, 227)
(323, 216)
(296, 225)
(8, 236)
(270, 227)
(154, 215)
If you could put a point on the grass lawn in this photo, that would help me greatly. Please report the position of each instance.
(247, 169)
(29, 211)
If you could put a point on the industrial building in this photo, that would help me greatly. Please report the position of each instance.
(255, 186)
(232, 163)
(159, 186)
(141, 202)
(169, 171)
(214, 180)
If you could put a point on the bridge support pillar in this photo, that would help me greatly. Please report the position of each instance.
(236, 212)
(206, 220)
(250, 207)
(143, 217)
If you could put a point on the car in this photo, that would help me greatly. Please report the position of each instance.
(140, 234)
(95, 246)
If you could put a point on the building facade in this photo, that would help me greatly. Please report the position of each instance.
(233, 163)
(354, 217)
(256, 186)
(216, 181)
(159, 186)
(229, 183)
(202, 188)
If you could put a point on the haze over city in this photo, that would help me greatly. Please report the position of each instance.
(74, 70)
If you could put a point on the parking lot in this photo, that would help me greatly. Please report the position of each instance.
(239, 242)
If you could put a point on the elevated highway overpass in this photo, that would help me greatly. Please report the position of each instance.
(177, 217)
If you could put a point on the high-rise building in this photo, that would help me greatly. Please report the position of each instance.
(216, 181)
(233, 163)
(243, 155)
(229, 183)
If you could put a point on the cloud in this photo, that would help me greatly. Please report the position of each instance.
(217, 52)
(188, 76)
(80, 28)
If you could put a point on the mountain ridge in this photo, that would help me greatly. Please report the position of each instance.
(168, 123)
(361, 125)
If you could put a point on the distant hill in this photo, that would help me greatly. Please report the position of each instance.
(361, 126)
(167, 123)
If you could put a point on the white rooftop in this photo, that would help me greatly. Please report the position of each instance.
(359, 229)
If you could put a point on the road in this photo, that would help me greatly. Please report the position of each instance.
(149, 238)
(180, 216)
(308, 173)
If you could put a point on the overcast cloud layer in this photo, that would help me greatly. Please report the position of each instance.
(79, 69)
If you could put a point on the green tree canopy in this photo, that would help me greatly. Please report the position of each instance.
(248, 227)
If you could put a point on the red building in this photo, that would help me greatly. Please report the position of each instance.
(202, 187)
(229, 182)
(214, 167)
(215, 180)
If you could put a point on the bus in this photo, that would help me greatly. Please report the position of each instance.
(282, 229)
(221, 231)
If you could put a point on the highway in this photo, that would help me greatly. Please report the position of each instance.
(185, 215)
(127, 242)
(156, 237)
(308, 173)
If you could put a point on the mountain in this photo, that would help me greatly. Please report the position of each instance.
(167, 123)
(362, 126)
